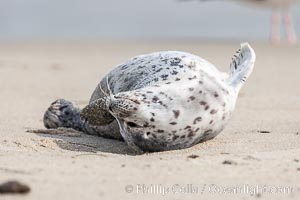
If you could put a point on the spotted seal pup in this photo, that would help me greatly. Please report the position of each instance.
(160, 101)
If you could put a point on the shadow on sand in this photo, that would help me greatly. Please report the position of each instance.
(72, 140)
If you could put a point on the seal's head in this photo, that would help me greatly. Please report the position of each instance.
(145, 111)
(170, 116)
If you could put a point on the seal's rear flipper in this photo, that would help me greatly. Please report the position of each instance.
(241, 66)
(62, 113)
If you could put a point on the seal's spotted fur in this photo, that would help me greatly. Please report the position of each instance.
(160, 101)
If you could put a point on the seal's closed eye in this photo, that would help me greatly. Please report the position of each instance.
(132, 124)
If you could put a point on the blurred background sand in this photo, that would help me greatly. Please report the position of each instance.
(135, 19)
(42, 59)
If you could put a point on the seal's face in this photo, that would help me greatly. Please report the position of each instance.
(150, 116)
(144, 111)
(171, 113)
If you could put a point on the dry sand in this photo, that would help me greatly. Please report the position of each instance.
(88, 167)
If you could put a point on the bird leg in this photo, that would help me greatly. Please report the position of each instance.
(289, 27)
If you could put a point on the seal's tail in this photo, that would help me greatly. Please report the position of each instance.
(241, 66)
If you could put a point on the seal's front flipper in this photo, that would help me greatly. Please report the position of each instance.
(128, 137)
(241, 66)
(96, 113)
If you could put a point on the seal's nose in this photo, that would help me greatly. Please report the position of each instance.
(110, 108)
(121, 107)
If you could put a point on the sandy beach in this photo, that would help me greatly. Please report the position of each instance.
(257, 156)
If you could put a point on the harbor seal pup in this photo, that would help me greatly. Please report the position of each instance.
(160, 101)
